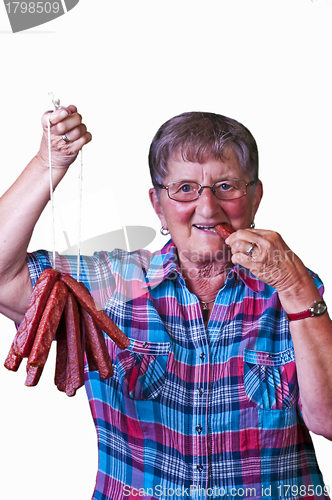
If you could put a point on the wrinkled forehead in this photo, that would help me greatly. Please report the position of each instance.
(190, 154)
(182, 166)
(200, 153)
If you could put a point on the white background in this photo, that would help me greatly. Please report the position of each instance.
(129, 66)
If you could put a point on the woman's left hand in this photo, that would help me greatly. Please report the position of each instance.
(270, 259)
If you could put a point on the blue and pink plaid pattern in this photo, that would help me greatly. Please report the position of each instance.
(193, 412)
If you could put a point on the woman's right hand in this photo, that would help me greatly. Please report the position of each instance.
(62, 123)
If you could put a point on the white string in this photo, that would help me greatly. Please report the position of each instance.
(80, 175)
(51, 187)
(56, 104)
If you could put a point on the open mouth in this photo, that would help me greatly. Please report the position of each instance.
(205, 228)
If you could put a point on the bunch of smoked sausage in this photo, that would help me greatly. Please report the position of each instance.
(61, 308)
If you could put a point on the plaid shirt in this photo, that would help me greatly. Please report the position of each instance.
(193, 412)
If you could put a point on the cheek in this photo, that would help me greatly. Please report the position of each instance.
(178, 215)
(239, 212)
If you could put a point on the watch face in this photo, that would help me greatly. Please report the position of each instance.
(319, 308)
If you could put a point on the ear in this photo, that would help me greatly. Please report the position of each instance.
(157, 206)
(257, 199)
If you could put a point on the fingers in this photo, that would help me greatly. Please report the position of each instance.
(74, 133)
(69, 122)
(57, 116)
(265, 254)
(247, 241)
(84, 139)
(252, 246)
(247, 248)
(68, 135)
(65, 121)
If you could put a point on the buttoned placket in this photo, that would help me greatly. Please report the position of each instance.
(201, 401)
(200, 416)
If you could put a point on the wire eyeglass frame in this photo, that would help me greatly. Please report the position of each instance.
(200, 190)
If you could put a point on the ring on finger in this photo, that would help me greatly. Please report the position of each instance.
(65, 138)
(250, 250)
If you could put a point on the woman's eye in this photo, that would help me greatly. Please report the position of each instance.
(186, 188)
(225, 187)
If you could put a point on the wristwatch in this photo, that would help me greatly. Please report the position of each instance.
(317, 309)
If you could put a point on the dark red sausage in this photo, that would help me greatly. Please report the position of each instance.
(75, 355)
(26, 333)
(87, 347)
(48, 325)
(13, 361)
(94, 338)
(98, 314)
(224, 230)
(33, 375)
(60, 376)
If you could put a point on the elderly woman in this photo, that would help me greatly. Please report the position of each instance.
(230, 343)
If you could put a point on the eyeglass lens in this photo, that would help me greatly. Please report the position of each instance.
(224, 190)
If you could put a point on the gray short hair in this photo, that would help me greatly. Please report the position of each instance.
(197, 136)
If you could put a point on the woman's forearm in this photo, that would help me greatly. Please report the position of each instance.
(20, 209)
(312, 339)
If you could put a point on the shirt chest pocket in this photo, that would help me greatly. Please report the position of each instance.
(142, 369)
(270, 379)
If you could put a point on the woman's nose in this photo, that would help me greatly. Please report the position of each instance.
(207, 204)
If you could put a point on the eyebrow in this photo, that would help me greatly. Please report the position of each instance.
(218, 180)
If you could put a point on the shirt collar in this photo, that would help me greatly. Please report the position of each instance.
(164, 264)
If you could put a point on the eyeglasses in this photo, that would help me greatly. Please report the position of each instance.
(230, 189)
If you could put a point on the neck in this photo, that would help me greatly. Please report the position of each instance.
(205, 279)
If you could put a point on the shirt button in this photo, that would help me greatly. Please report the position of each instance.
(202, 356)
(145, 344)
(199, 467)
(199, 428)
(200, 391)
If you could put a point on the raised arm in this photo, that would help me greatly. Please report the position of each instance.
(23, 203)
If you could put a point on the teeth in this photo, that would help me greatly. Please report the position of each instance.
(206, 228)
